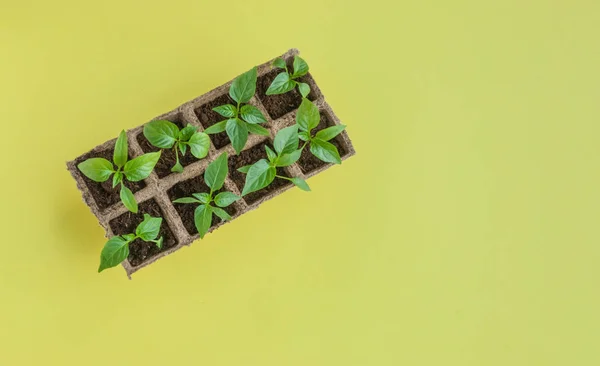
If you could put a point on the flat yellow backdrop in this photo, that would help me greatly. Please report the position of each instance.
(464, 232)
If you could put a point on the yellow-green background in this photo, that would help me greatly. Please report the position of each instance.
(464, 231)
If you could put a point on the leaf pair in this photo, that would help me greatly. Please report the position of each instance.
(308, 118)
(134, 170)
(214, 177)
(285, 81)
(166, 135)
(263, 172)
(240, 120)
(116, 249)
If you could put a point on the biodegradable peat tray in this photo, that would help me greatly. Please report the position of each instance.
(156, 193)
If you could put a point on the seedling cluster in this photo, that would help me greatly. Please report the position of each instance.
(239, 121)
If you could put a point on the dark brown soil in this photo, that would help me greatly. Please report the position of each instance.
(208, 117)
(308, 162)
(167, 157)
(103, 193)
(186, 210)
(248, 157)
(280, 104)
(139, 250)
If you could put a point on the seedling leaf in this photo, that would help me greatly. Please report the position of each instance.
(202, 197)
(161, 133)
(289, 159)
(216, 172)
(286, 140)
(304, 89)
(238, 133)
(120, 153)
(300, 67)
(251, 114)
(114, 252)
(187, 200)
(187, 132)
(300, 183)
(244, 169)
(221, 213)
(257, 129)
(244, 86)
(279, 63)
(270, 153)
(225, 199)
(141, 167)
(117, 178)
(97, 169)
(226, 110)
(203, 219)
(281, 84)
(216, 128)
(159, 243)
(307, 116)
(325, 151)
(148, 229)
(199, 144)
(329, 132)
(260, 175)
(128, 199)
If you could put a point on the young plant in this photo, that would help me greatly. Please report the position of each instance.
(263, 172)
(286, 81)
(134, 170)
(214, 177)
(116, 249)
(308, 118)
(166, 135)
(240, 120)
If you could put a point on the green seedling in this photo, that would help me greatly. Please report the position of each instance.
(263, 172)
(307, 119)
(116, 249)
(214, 177)
(286, 81)
(166, 135)
(134, 170)
(243, 118)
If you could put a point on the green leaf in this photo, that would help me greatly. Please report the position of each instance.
(329, 132)
(187, 200)
(215, 173)
(128, 237)
(225, 199)
(300, 183)
(308, 115)
(300, 67)
(216, 128)
(270, 154)
(244, 169)
(244, 86)
(117, 178)
(286, 140)
(304, 136)
(289, 159)
(187, 132)
(114, 252)
(279, 63)
(177, 168)
(304, 89)
(141, 167)
(251, 114)
(281, 84)
(238, 133)
(182, 147)
(97, 169)
(226, 110)
(148, 229)
(120, 154)
(203, 219)
(221, 213)
(199, 144)
(260, 175)
(325, 151)
(128, 199)
(257, 130)
(202, 197)
(161, 133)
(159, 243)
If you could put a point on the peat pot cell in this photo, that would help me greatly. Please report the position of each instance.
(308, 162)
(208, 117)
(186, 210)
(139, 250)
(103, 193)
(167, 157)
(280, 104)
(248, 157)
